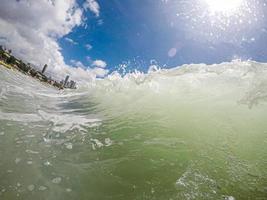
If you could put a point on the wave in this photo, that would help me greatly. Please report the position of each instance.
(182, 133)
(244, 82)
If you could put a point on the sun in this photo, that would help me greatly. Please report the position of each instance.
(225, 6)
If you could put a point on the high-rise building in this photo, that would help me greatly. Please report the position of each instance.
(66, 80)
(72, 84)
(44, 68)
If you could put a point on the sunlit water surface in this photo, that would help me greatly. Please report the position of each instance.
(194, 132)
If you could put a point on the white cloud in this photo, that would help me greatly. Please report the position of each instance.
(99, 63)
(95, 72)
(99, 72)
(76, 63)
(71, 41)
(88, 74)
(88, 47)
(32, 29)
(93, 6)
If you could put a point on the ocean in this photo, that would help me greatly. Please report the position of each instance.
(195, 132)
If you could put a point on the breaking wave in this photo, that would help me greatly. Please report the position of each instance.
(192, 132)
(239, 82)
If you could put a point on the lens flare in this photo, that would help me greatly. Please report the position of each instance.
(225, 6)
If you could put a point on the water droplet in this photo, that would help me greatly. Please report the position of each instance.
(31, 187)
(172, 52)
(42, 188)
(47, 163)
(29, 162)
(56, 180)
(229, 198)
(69, 145)
(30, 136)
(17, 160)
(108, 142)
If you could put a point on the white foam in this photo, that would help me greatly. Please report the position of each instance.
(244, 82)
(230, 198)
(66, 122)
(31, 151)
(20, 117)
(62, 121)
(195, 185)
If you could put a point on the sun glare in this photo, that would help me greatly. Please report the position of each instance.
(225, 6)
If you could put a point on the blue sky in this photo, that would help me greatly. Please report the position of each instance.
(144, 32)
(91, 38)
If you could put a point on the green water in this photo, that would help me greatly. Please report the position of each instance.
(181, 134)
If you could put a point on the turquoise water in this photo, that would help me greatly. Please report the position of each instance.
(194, 132)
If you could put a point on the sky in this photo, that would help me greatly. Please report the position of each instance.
(93, 38)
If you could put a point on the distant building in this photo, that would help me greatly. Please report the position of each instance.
(44, 68)
(5, 56)
(10, 61)
(72, 84)
(40, 76)
(68, 84)
(66, 81)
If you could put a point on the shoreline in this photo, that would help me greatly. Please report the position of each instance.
(55, 84)
(8, 61)
(14, 70)
(5, 65)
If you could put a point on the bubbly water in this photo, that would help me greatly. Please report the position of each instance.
(192, 132)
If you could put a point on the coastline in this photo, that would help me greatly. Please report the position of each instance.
(8, 61)
(5, 65)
